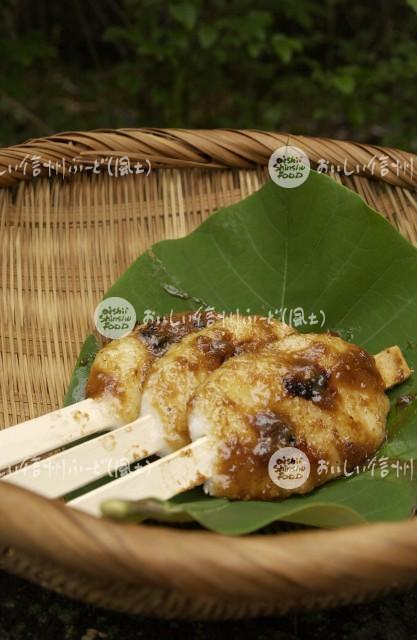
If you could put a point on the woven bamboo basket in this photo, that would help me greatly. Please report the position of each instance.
(64, 240)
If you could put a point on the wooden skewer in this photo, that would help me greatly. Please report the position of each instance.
(180, 471)
(392, 366)
(56, 429)
(192, 465)
(69, 470)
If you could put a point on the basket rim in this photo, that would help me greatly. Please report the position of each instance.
(198, 148)
(285, 567)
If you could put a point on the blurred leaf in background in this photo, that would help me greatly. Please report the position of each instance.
(333, 68)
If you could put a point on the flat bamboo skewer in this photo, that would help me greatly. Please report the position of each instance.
(192, 465)
(56, 429)
(66, 471)
(163, 479)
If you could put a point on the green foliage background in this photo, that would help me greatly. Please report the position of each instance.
(336, 67)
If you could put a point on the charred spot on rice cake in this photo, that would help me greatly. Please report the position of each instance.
(308, 379)
(311, 383)
(160, 334)
(216, 348)
(268, 423)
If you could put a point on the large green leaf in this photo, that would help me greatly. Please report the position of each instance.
(319, 247)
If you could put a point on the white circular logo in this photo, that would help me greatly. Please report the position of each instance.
(289, 167)
(114, 317)
(289, 468)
